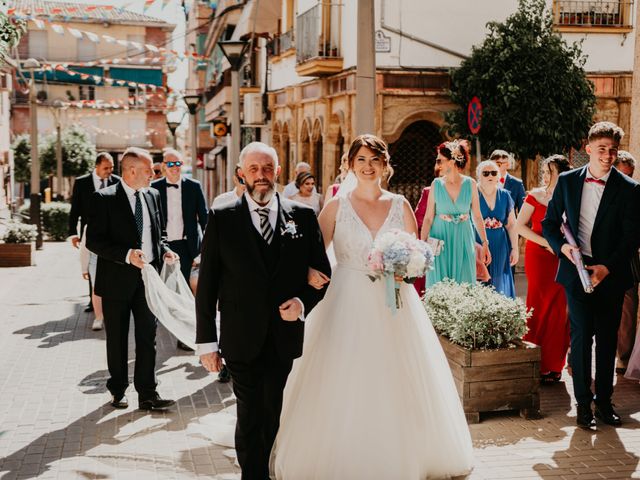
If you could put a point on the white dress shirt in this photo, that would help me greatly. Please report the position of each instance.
(204, 348)
(175, 222)
(589, 204)
(97, 181)
(147, 238)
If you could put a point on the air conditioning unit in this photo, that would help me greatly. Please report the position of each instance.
(253, 109)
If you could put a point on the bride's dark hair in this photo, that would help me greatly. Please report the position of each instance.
(376, 145)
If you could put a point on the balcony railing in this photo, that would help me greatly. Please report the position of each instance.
(594, 13)
(318, 32)
(280, 44)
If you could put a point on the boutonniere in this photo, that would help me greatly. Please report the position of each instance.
(291, 229)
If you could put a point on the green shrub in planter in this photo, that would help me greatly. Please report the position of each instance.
(55, 219)
(475, 316)
(19, 233)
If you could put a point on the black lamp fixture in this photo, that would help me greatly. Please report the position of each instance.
(173, 126)
(234, 51)
(192, 102)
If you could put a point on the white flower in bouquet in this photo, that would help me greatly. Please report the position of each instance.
(397, 256)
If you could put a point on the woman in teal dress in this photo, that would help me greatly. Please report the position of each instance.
(451, 207)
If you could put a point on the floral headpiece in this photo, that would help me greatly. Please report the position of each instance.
(455, 147)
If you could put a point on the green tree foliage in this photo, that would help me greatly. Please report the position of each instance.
(11, 30)
(78, 153)
(535, 95)
(21, 147)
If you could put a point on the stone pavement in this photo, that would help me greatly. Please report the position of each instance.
(55, 421)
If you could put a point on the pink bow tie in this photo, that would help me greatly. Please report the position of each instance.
(595, 180)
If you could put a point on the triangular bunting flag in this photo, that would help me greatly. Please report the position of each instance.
(92, 36)
(75, 33)
(57, 28)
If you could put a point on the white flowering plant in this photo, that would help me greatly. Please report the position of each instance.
(475, 316)
(397, 256)
(19, 233)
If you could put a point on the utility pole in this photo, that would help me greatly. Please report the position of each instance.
(365, 70)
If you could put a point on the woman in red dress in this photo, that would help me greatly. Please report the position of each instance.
(549, 324)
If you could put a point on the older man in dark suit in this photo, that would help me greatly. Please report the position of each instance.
(126, 233)
(83, 188)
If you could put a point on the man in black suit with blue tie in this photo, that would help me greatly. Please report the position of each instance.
(601, 207)
(126, 233)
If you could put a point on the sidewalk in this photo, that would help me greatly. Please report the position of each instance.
(55, 421)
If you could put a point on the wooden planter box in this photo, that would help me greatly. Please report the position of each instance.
(17, 254)
(492, 380)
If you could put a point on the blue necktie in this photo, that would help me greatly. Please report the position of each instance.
(139, 217)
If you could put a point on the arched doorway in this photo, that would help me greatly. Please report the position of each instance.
(413, 157)
(339, 149)
(285, 145)
(305, 143)
(276, 144)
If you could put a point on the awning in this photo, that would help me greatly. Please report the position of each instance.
(62, 76)
(258, 17)
(138, 75)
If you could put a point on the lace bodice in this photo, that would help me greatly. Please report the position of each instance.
(352, 240)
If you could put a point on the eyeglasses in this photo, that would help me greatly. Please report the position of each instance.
(174, 164)
(493, 173)
(157, 171)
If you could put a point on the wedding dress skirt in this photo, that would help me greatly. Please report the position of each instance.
(372, 396)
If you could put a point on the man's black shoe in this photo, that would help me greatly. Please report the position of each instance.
(119, 401)
(608, 415)
(184, 347)
(585, 417)
(89, 308)
(224, 376)
(155, 403)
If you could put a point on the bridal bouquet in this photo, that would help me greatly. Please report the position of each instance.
(398, 256)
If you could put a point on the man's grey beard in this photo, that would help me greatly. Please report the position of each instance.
(263, 197)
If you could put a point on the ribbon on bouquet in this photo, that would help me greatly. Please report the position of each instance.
(392, 293)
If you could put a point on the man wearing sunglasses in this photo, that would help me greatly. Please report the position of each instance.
(514, 185)
(183, 210)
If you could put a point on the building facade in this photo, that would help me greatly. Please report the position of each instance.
(102, 69)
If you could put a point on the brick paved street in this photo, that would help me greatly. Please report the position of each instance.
(55, 421)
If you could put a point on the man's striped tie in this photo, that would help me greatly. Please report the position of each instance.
(265, 225)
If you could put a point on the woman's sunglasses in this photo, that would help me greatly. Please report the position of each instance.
(174, 164)
(493, 173)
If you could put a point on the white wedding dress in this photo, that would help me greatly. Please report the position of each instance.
(372, 396)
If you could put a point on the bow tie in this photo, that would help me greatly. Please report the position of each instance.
(595, 180)
(172, 185)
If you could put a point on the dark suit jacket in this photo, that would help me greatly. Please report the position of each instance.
(194, 210)
(83, 189)
(616, 231)
(112, 233)
(516, 188)
(233, 274)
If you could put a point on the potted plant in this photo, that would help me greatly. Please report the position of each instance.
(480, 332)
(18, 245)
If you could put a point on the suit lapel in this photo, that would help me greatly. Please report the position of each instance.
(183, 197)
(575, 197)
(610, 192)
(162, 189)
(285, 214)
(125, 208)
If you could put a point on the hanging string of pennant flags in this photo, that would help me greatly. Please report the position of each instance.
(41, 24)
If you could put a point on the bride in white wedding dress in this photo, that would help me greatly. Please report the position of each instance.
(372, 396)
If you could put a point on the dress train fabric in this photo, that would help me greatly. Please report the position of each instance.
(372, 396)
(170, 299)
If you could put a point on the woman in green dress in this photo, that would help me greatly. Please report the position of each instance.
(451, 207)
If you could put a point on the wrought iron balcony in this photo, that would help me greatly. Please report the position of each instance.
(318, 40)
(594, 13)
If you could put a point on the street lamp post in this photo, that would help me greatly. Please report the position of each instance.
(34, 209)
(234, 51)
(58, 105)
(192, 102)
(173, 126)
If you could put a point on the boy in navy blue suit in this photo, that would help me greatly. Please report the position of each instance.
(601, 207)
